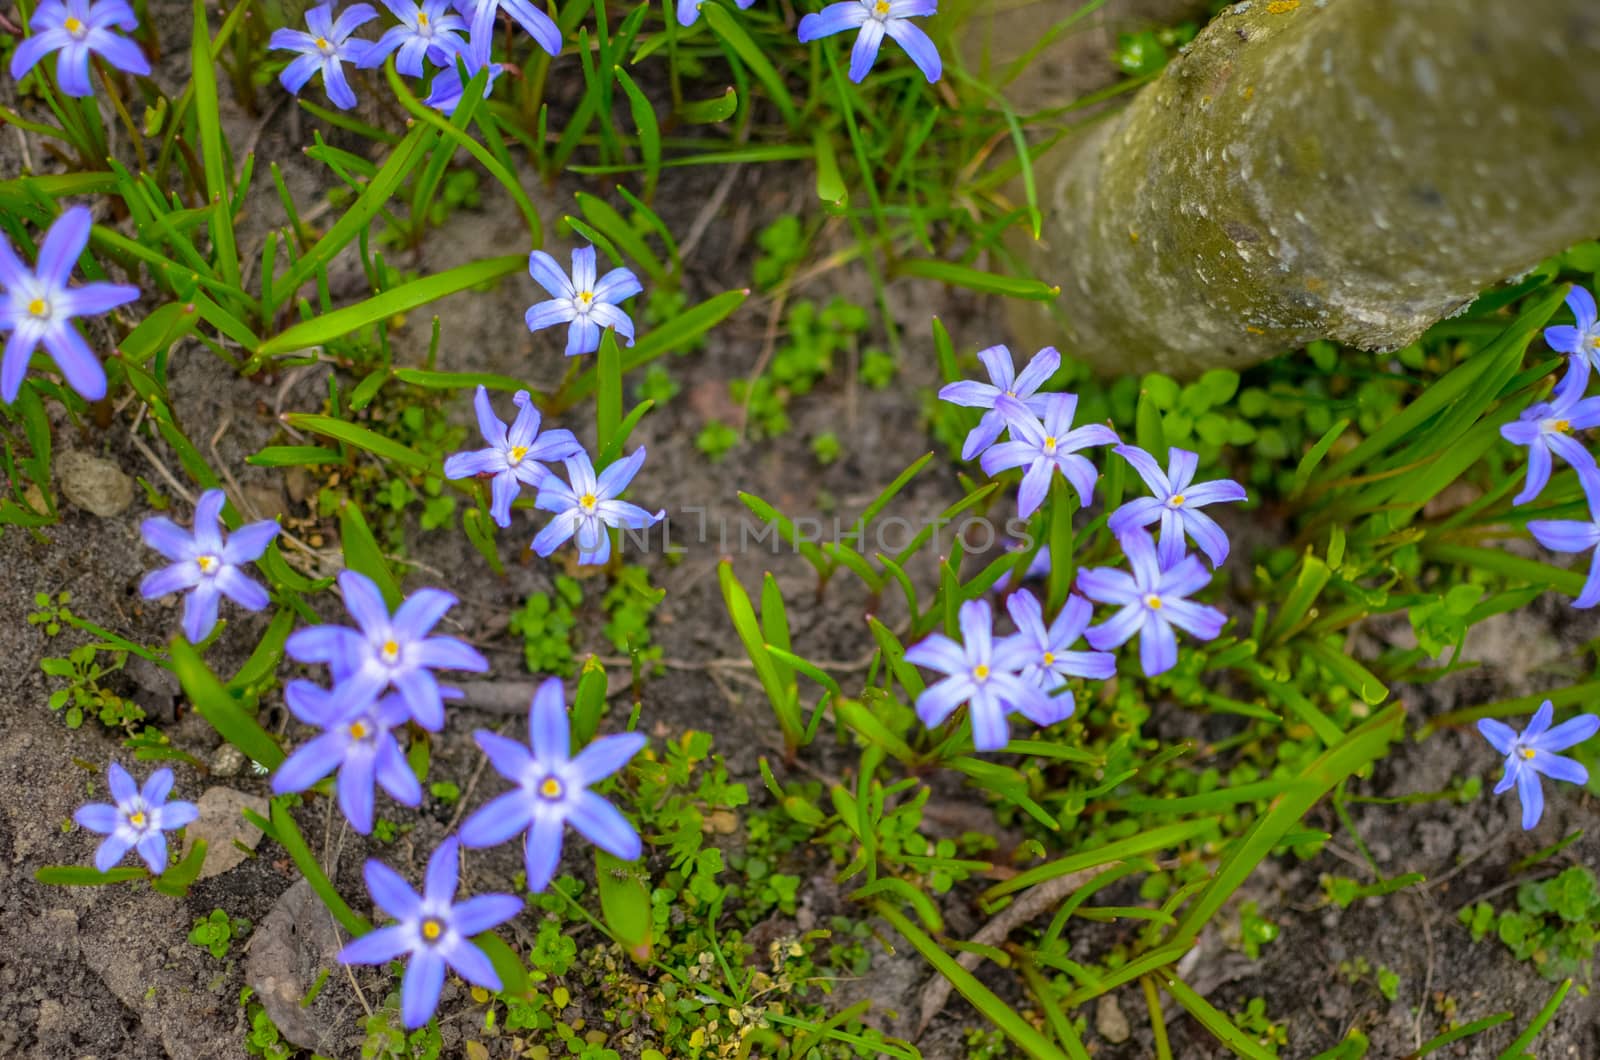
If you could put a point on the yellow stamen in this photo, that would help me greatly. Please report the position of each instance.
(1049, 658)
(1561, 426)
(1177, 500)
(358, 730)
(391, 650)
(72, 26)
(980, 672)
(422, 20)
(550, 788)
(206, 563)
(137, 819)
(38, 308)
(516, 453)
(1527, 752)
(588, 501)
(432, 929)
(585, 297)
(1153, 602)
(323, 45)
(1050, 444)
(881, 8)
(1595, 342)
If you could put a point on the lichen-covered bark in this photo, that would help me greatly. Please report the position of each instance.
(1343, 169)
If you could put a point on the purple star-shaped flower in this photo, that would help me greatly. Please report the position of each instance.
(433, 929)
(512, 456)
(38, 307)
(1176, 504)
(205, 565)
(358, 741)
(446, 88)
(1153, 599)
(877, 19)
(137, 820)
(1571, 535)
(389, 651)
(1003, 381)
(589, 505)
(1534, 752)
(1581, 340)
(985, 675)
(326, 48)
(1051, 658)
(588, 305)
(1045, 447)
(1546, 429)
(552, 790)
(426, 31)
(76, 29)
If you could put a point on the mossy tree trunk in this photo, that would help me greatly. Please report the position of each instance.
(1344, 169)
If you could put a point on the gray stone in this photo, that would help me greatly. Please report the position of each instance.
(221, 824)
(93, 483)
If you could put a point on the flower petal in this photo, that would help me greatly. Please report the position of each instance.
(606, 755)
(604, 826)
(377, 947)
(497, 820)
(390, 892)
(419, 990)
(835, 18)
(541, 853)
(482, 912)
(549, 731)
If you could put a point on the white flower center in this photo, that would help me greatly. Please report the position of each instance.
(515, 454)
(324, 46)
(1050, 445)
(1152, 601)
(588, 501)
(980, 673)
(880, 10)
(390, 651)
(361, 729)
(584, 301)
(1556, 426)
(39, 309)
(208, 564)
(1175, 501)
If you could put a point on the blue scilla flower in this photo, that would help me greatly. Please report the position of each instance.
(875, 19)
(1572, 535)
(447, 86)
(587, 505)
(326, 48)
(389, 651)
(985, 675)
(689, 10)
(137, 821)
(429, 31)
(1580, 340)
(1045, 447)
(358, 741)
(512, 457)
(1176, 504)
(38, 308)
(552, 790)
(580, 300)
(1004, 380)
(433, 929)
(540, 26)
(1153, 599)
(1534, 752)
(1050, 655)
(205, 564)
(74, 30)
(1546, 429)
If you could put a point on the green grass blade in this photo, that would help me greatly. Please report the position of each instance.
(322, 329)
(213, 703)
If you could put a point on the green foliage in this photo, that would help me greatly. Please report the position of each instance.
(545, 626)
(1555, 923)
(84, 695)
(218, 931)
